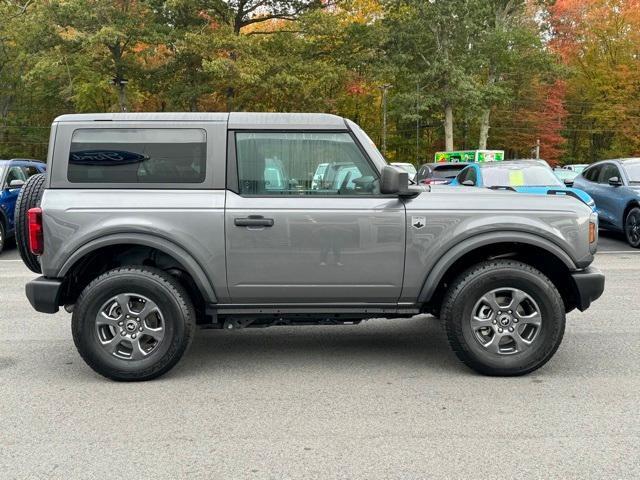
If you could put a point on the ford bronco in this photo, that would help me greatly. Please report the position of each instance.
(148, 225)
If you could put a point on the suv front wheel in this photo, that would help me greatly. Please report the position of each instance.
(133, 323)
(503, 317)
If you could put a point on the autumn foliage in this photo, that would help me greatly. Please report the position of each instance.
(565, 74)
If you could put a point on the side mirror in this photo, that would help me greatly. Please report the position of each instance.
(469, 183)
(568, 182)
(615, 182)
(16, 183)
(394, 181)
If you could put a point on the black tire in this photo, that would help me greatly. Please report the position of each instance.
(503, 277)
(179, 322)
(29, 197)
(3, 237)
(632, 227)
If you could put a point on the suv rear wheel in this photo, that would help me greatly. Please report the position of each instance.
(133, 323)
(503, 317)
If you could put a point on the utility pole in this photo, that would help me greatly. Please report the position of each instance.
(384, 89)
(417, 123)
(538, 149)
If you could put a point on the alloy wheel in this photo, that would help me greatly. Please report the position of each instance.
(130, 326)
(506, 321)
(633, 228)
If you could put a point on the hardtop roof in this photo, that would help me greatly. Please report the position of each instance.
(240, 120)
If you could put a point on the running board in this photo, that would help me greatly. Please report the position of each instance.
(366, 309)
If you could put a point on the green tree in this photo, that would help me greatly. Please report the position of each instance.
(509, 51)
(430, 46)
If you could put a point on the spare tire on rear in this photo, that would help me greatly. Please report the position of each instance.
(29, 197)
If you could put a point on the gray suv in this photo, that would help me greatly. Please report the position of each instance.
(148, 225)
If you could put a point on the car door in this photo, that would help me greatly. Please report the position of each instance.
(14, 172)
(310, 241)
(609, 212)
(588, 182)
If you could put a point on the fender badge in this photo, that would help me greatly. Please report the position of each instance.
(418, 222)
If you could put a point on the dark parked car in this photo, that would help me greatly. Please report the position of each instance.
(438, 173)
(13, 175)
(615, 187)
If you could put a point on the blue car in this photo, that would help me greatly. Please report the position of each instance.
(13, 174)
(524, 176)
(615, 187)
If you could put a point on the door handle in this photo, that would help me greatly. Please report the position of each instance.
(253, 221)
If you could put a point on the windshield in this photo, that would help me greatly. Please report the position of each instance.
(519, 176)
(633, 172)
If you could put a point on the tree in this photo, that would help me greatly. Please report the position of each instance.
(509, 49)
(429, 45)
(103, 40)
(598, 41)
(242, 13)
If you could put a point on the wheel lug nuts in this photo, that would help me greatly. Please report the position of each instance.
(510, 312)
(120, 323)
(140, 329)
(499, 312)
(511, 329)
(500, 330)
(122, 332)
(494, 322)
(515, 320)
(133, 336)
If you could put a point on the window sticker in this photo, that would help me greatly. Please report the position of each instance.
(516, 178)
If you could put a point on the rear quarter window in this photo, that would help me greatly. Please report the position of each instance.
(137, 155)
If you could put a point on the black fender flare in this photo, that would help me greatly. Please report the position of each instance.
(191, 266)
(456, 252)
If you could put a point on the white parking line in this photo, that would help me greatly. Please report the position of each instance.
(617, 252)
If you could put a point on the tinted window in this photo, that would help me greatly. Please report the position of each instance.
(592, 173)
(519, 176)
(131, 155)
(468, 173)
(302, 164)
(608, 171)
(423, 173)
(448, 171)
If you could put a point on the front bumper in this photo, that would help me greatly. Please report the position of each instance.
(589, 286)
(44, 294)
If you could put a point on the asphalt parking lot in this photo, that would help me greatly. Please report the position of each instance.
(385, 399)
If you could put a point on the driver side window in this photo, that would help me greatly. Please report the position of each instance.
(303, 163)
